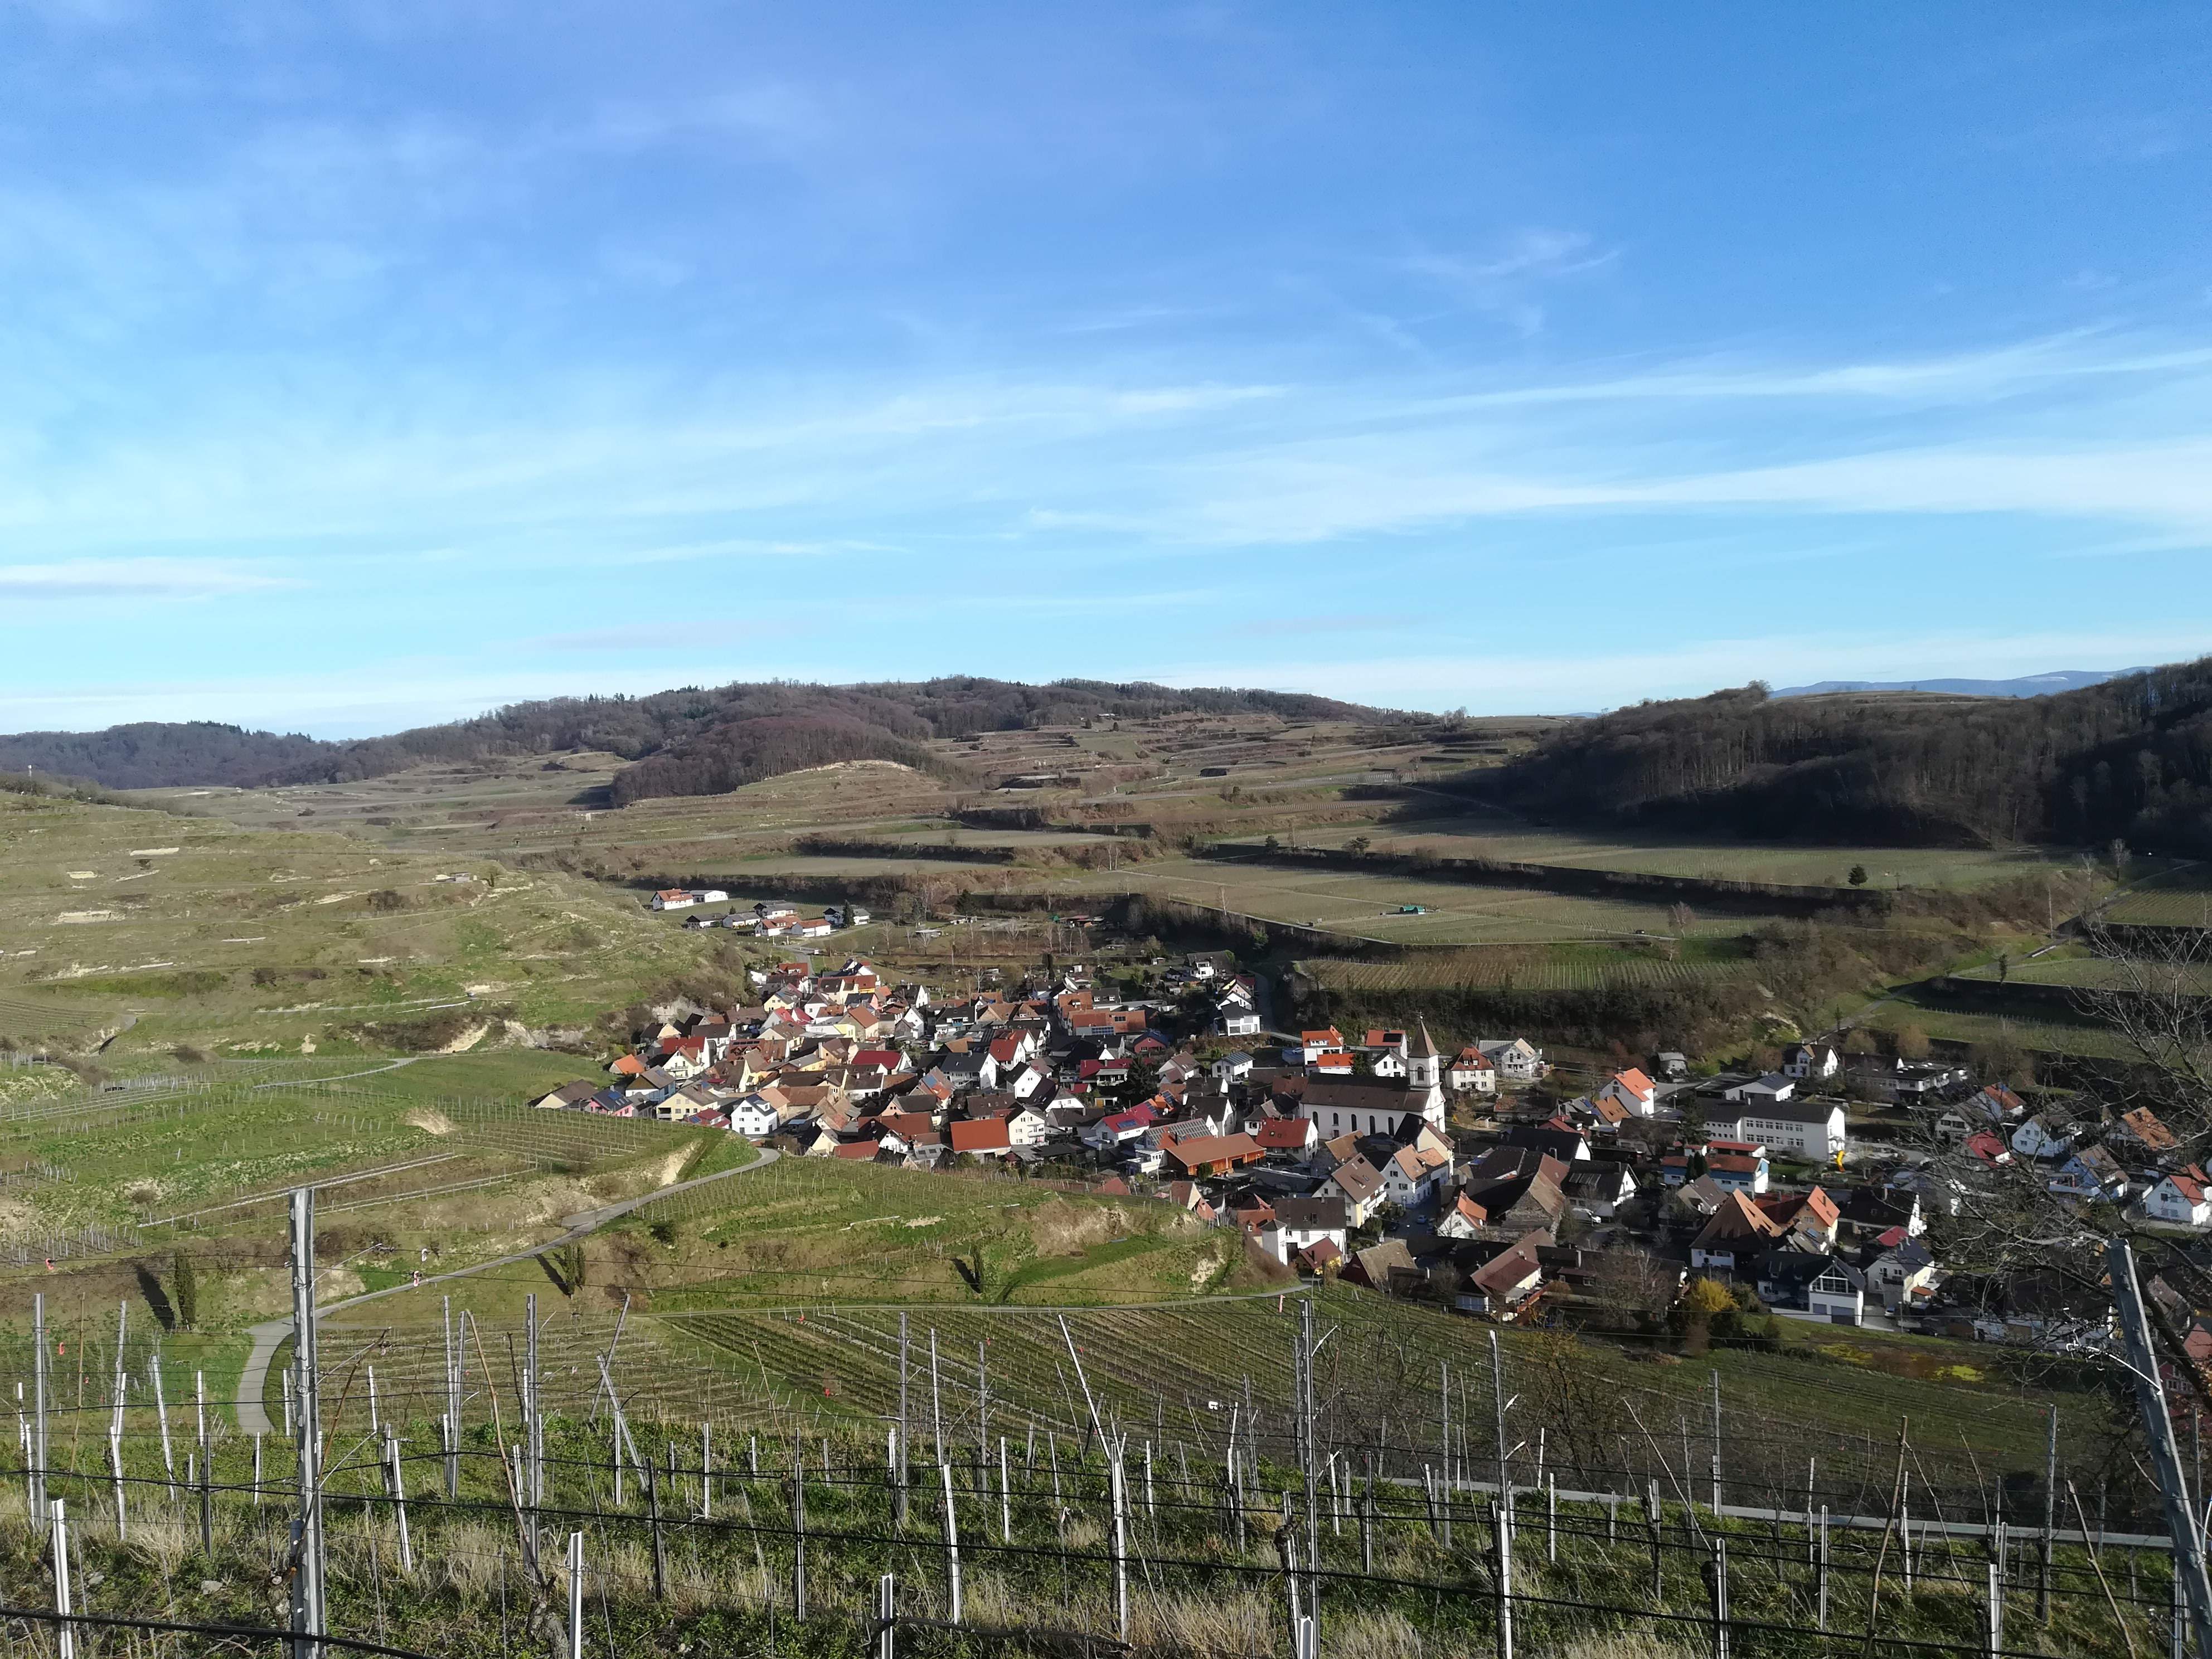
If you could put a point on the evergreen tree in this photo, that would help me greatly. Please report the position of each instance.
(185, 1291)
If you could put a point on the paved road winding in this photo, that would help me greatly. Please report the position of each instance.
(253, 1381)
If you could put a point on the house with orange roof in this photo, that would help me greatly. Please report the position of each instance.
(1635, 1092)
(1326, 1041)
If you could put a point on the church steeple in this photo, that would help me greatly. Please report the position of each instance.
(1424, 1065)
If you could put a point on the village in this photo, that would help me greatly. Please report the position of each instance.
(1475, 1176)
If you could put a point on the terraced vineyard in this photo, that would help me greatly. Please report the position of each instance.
(2181, 900)
(1179, 1369)
(26, 1017)
(1524, 970)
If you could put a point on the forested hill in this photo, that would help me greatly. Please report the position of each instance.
(692, 741)
(2131, 759)
(152, 754)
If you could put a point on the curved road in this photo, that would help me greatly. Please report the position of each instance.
(254, 1381)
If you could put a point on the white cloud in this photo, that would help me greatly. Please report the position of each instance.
(129, 579)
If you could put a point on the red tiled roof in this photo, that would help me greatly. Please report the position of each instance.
(980, 1135)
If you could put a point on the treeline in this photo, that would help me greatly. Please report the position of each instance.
(2128, 760)
(717, 738)
(154, 755)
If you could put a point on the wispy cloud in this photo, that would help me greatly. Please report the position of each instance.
(135, 579)
(1504, 282)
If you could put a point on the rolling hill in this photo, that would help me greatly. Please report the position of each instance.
(684, 742)
(2129, 759)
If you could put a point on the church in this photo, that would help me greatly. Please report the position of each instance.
(1380, 1105)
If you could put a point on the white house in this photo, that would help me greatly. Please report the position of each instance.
(1837, 1294)
(1633, 1091)
(1809, 1129)
(1299, 1224)
(1516, 1057)
(710, 895)
(2180, 1199)
(753, 1117)
(1233, 1066)
(1028, 1128)
(1471, 1072)
(1762, 1090)
(1237, 1018)
(816, 927)
(1314, 1045)
(1357, 1185)
(2047, 1134)
(672, 898)
(1597, 1189)
(1803, 1061)
(1898, 1273)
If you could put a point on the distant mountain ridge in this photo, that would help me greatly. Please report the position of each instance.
(693, 741)
(2028, 685)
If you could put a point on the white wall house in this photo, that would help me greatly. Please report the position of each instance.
(1837, 1295)
(2180, 1200)
(1299, 1224)
(1809, 1129)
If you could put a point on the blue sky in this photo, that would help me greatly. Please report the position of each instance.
(365, 364)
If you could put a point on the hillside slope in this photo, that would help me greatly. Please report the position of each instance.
(2128, 759)
(692, 741)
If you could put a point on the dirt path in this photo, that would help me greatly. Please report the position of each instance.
(254, 1381)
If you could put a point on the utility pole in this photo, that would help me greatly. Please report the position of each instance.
(307, 1606)
(2165, 1457)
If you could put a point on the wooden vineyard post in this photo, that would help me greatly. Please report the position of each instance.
(651, 1478)
(2050, 1522)
(799, 1540)
(1658, 1565)
(1120, 1498)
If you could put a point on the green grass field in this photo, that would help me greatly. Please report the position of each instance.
(1365, 905)
(1514, 842)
